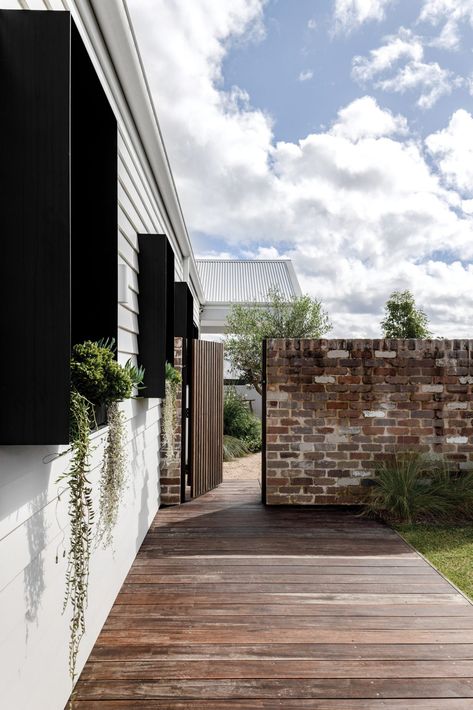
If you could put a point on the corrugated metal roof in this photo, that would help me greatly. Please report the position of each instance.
(245, 281)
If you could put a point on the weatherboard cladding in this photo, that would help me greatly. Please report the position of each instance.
(31, 581)
(233, 281)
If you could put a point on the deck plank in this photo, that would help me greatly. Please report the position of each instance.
(233, 605)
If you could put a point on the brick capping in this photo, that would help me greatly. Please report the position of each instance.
(336, 408)
(170, 472)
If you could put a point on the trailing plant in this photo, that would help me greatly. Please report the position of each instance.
(96, 379)
(170, 414)
(239, 422)
(121, 382)
(81, 516)
(112, 476)
(412, 487)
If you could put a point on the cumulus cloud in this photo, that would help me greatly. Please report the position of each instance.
(350, 14)
(405, 45)
(306, 75)
(450, 14)
(357, 206)
(430, 78)
(363, 118)
(382, 65)
(452, 148)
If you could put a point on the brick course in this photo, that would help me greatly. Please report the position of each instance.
(336, 408)
(170, 472)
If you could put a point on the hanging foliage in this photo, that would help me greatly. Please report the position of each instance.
(170, 414)
(96, 379)
(81, 516)
(112, 476)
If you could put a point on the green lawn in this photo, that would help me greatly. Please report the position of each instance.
(448, 547)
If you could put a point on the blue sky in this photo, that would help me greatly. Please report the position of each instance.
(269, 69)
(338, 133)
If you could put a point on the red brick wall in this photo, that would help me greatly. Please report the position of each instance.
(335, 408)
(170, 473)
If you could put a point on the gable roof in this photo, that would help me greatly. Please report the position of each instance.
(246, 281)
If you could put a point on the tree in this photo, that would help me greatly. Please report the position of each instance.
(248, 325)
(403, 319)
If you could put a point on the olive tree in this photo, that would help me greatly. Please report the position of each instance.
(248, 325)
(403, 319)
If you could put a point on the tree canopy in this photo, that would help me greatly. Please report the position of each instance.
(403, 319)
(248, 325)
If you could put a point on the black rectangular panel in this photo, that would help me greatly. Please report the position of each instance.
(183, 310)
(94, 202)
(169, 303)
(155, 260)
(34, 227)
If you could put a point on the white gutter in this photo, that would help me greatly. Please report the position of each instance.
(114, 21)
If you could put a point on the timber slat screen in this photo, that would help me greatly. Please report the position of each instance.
(206, 416)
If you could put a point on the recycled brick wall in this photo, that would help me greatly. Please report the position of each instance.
(335, 408)
(170, 472)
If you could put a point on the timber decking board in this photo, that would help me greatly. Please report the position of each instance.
(275, 704)
(232, 605)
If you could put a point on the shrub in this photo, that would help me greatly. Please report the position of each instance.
(412, 487)
(97, 375)
(239, 422)
(172, 375)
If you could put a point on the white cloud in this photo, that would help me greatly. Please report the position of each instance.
(431, 79)
(450, 14)
(350, 14)
(363, 118)
(404, 45)
(452, 148)
(305, 75)
(263, 253)
(312, 24)
(357, 206)
(428, 78)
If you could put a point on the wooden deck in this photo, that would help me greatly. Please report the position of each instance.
(233, 605)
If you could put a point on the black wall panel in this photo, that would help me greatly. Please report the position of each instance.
(156, 310)
(170, 269)
(183, 310)
(184, 328)
(94, 203)
(58, 220)
(34, 227)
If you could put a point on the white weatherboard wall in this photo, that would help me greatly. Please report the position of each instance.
(34, 634)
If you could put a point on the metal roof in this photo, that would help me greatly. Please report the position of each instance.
(246, 281)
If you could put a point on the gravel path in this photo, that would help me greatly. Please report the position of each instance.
(248, 468)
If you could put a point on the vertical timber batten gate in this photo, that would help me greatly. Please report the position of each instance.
(206, 440)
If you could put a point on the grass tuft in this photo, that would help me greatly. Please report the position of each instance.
(412, 487)
(234, 448)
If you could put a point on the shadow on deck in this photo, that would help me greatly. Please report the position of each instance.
(233, 605)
